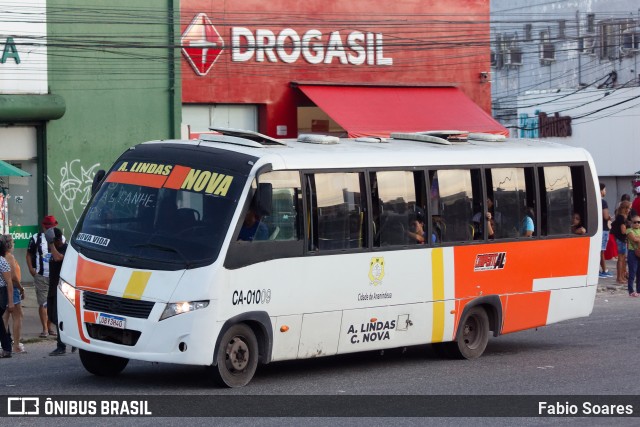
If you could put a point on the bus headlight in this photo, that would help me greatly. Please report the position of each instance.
(182, 307)
(68, 291)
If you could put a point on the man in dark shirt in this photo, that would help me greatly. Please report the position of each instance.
(57, 249)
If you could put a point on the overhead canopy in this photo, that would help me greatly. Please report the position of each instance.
(378, 111)
(9, 170)
(28, 108)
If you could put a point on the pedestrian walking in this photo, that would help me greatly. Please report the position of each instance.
(619, 231)
(635, 205)
(57, 249)
(633, 258)
(18, 295)
(38, 258)
(6, 302)
(606, 218)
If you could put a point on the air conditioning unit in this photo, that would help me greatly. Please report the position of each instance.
(547, 53)
(628, 42)
(589, 46)
(513, 57)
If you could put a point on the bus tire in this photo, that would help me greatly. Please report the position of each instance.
(473, 335)
(237, 357)
(102, 365)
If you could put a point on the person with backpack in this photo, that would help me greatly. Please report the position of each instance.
(38, 258)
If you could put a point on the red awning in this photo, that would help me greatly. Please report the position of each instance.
(378, 111)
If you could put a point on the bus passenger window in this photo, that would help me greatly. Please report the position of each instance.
(514, 214)
(451, 205)
(557, 194)
(282, 223)
(397, 218)
(339, 210)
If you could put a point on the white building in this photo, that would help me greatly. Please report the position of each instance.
(568, 71)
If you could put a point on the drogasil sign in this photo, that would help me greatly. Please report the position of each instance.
(286, 46)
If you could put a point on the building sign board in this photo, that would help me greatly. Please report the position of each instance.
(23, 47)
(202, 45)
(21, 234)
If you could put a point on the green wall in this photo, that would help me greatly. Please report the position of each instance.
(116, 65)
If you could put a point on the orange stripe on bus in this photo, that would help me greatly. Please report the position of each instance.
(90, 316)
(177, 177)
(524, 262)
(134, 178)
(79, 318)
(525, 311)
(93, 277)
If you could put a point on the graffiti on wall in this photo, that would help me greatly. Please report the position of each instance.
(72, 188)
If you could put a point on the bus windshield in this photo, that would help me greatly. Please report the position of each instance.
(159, 215)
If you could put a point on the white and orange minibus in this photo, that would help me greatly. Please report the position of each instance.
(238, 249)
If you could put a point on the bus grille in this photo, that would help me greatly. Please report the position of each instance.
(115, 305)
(118, 336)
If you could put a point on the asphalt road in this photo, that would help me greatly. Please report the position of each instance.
(594, 356)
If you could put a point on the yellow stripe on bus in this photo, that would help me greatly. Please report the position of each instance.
(437, 272)
(137, 284)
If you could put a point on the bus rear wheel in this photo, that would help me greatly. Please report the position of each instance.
(102, 365)
(237, 357)
(473, 335)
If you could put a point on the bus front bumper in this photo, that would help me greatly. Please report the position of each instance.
(187, 338)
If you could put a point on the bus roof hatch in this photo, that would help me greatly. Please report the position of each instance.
(252, 139)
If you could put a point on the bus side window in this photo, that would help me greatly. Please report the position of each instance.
(398, 220)
(283, 222)
(557, 192)
(339, 205)
(452, 205)
(513, 203)
(580, 195)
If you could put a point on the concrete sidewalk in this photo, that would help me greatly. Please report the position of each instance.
(31, 328)
(610, 284)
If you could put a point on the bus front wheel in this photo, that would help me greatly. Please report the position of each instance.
(102, 365)
(237, 357)
(473, 335)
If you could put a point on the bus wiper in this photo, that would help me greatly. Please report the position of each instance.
(164, 248)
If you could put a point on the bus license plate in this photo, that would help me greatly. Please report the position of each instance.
(111, 320)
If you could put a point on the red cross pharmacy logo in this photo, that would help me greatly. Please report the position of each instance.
(201, 44)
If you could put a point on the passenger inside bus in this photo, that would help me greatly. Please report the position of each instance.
(527, 225)
(252, 228)
(479, 222)
(439, 228)
(416, 229)
(576, 224)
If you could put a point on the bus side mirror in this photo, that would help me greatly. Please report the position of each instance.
(97, 180)
(264, 198)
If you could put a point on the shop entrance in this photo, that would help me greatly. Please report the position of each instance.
(19, 194)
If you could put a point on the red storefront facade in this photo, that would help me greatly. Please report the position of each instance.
(295, 64)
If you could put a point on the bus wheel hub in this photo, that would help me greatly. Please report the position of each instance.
(238, 354)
